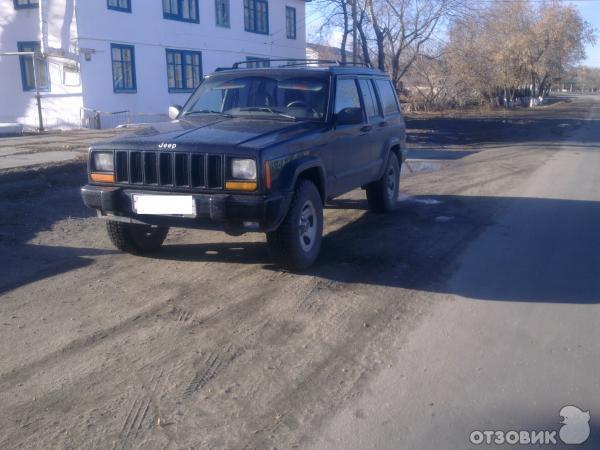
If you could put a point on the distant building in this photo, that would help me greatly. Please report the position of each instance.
(319, 51)
(111, 61)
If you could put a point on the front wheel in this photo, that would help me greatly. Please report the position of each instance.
(296, 243)
(382, 194)
(134, 238)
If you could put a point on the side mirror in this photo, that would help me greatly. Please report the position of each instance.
(349, 116)
(174, 111)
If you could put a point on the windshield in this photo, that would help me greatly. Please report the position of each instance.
(286, 96)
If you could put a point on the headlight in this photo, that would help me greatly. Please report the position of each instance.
(103, 162)
(243, 169)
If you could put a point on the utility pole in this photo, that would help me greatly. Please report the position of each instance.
(354, 32)
(38, 97)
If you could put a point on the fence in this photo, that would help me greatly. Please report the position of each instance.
(94, 119)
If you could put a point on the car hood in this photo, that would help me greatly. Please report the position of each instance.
(213, 131)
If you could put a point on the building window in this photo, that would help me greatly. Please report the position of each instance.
(184, 70)
(256, 16)
(255, 63)
(119, 5)
(183, 10)
(24, 4)
(290, 22)
(123, 67)
(222, 11)
(28, 77)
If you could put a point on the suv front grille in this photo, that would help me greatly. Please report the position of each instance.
(191, 170)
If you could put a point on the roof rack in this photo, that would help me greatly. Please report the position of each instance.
(291, 62)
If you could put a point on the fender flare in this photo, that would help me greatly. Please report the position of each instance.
(292, 171)
(394, 142)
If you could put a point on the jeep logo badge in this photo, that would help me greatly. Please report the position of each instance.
(167, 146)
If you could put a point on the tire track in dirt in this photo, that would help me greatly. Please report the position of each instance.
(77, 346)
(210, 368)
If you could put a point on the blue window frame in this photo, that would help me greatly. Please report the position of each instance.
(41, 67)
(255, 63)
(290, 22)
(25, 4)
(182, 10)
(123, 68)
(256, 16)
(119, 5)
(222, 12)
(184, 70)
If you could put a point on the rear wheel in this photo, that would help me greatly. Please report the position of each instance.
(296, 243)
(382, 194)
(135, 238)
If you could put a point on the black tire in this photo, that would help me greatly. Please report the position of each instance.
(295, 245)
(134, 238)
(382, 194)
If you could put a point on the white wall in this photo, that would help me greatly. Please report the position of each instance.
(150, 33)
(61, 105)
(94, 27)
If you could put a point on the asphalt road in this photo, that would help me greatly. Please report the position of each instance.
(514, 335)
(474, 307)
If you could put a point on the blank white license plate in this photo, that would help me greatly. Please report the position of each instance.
(164, 205)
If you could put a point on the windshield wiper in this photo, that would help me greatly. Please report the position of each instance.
(208, 111)
(268, 110)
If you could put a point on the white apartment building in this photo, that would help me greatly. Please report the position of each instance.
(111, 61)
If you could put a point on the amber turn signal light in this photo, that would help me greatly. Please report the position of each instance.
(102, 177)
(240, 185)
(268, 175)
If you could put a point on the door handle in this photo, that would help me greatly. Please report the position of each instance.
(366, 128)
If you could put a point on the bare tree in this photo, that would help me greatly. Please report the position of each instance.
(336, 15)
(513, 51)
(412, 24)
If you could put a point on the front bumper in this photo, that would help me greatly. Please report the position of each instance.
(228, 212)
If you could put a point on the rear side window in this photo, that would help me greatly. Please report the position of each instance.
(387, 96)
(368, 98)
(346, 95)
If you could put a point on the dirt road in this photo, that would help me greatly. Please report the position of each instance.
(207, 345)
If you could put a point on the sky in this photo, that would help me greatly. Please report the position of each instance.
(590, 11)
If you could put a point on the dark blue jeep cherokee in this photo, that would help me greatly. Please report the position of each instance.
(254, 150)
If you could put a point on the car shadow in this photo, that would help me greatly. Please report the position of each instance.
(35, 205)
(238, 252)
(548, 250)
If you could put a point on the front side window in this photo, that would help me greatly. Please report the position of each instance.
(257, 63)
(184, 70)
(256, 16)
(183, 10)
(123, 68)
(387, 96)
(346, 95)
(272, 96)
(119, 5)
(28, 76)
(290, 22)
(24, 4)
(222, 10)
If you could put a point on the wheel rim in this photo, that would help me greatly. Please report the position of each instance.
(307, 226)
(391, 182)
